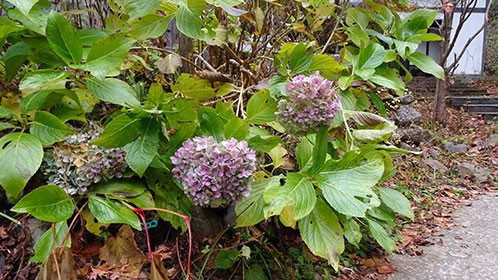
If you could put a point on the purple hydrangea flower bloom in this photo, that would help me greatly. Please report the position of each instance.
(310, 104)
(214, 174)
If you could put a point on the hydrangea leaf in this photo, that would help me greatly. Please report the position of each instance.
(397, 202)
(43, 246)
(108, 211)
(113, 90)
(20, 156)
(24, 5)
(322, 233)
(341, 187)
(261, 108)
(139, 8)
(382, 237)
(63, 38)
(118, 132)
(49, 129)
(48, 203)
(297, 192)
(236, 128)
(250, 210)
(139, 153)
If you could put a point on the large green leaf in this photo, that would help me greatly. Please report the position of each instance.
(44, 245)
(250, 210)
(371, 56)
(376, 134)
(397, 202)
(188, 18)
(261, 108)
(297, 192)
(320, 149)
(327, 65)
(120, 188)
(24, 5)
(14, 58)
(118, 132)
(48, 203)
(20, 156)
(108, 211)
(304, 153)
(236, 128)
(39, 100)
(63, 38)
(138, 8)
(6, 125)
(49, 129)
(194, 87)
(341, 187)
(389, 78)
(210, 123)
(139, 153)
(426, 64)
(322, 233)
(300, 59)
(39, 79)
(382, 237)
(113, 91)
(180, 110)
(107, 53)
(36, 21)
(149, 26)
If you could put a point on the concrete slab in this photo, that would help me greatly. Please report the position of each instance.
(469, 251)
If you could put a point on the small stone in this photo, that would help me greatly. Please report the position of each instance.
(407, 115)
(455, 148)
(468, 169)
(406, 99)
(434, 164)
(414, 134)
(493, 139)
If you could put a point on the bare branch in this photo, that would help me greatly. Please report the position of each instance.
(452, 67)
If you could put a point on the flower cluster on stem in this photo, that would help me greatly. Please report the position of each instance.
(214, 174)
(79, 164)
(310, 104)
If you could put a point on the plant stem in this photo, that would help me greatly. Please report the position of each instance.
(9, 218)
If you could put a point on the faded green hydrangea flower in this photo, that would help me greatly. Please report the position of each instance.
(81, 163)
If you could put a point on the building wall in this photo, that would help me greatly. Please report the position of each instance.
(472, 61)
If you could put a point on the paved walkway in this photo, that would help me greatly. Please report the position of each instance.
(467, 253)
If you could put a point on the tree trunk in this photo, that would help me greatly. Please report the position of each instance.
(186, 49)
(440, 101)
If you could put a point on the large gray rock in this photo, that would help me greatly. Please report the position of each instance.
(407, 115)
(455, 148)
(468, 169)
(414, 134)
(37, 228)
(436, 165)
(205, 221)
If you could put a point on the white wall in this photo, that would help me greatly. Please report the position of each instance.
(472, 60)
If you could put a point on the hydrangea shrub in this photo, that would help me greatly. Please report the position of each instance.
(214, 174)
(310, 104)
(81, 163)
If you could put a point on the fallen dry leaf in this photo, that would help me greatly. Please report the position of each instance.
(60, 267)
(157, 270)
(122, 254)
